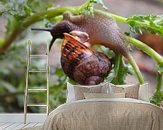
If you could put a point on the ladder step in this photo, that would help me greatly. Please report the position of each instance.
(37, 89)
(36, 105)
(38, 56)
(40, 70)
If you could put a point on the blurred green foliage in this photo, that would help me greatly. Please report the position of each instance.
(12, 82)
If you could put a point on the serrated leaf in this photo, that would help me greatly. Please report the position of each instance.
(37, 5)
(101, 3)
(89, 6)
(27, 10)
(149, 23)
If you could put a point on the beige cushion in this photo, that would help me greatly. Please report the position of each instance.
(103, 95)
(131, 91)
(76, 92)
(144, 93)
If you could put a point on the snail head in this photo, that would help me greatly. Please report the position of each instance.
(57, 31)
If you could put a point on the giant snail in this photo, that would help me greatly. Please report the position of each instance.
(101, 30)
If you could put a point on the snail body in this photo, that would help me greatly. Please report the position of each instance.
(83, 64)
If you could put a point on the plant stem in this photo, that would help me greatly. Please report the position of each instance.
(157, 96)
(146, 49)
(114, 16)
(117, 62)
(159, 81)
(136, 69)
(48, 14)
(9, 39)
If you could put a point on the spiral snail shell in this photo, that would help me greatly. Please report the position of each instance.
(83, 64)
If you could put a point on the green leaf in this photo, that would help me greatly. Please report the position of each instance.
(104, 50)
(38, 5)
(88, 7)
(59, 72)
(120, 71)
(157, 98)
(101, 3)
(71, 81)
(149, 23)
(27, 10)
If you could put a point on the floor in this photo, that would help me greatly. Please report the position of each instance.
(15, 121)
(17, 126)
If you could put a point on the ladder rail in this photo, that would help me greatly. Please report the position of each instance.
(27, 76)
(47, 74)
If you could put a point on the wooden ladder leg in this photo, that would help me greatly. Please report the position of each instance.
(47, 74)
(25, 99)
(27, 76)
(47, 109)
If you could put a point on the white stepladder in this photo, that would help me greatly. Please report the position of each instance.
(29, 70)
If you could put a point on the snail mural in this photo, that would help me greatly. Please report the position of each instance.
(81, 63)
(101, 30)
